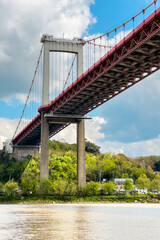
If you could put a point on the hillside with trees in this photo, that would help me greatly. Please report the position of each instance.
(63, 171)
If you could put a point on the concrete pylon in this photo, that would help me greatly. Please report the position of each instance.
(81, 169)
(44, 172)
(44, 147)
(70, 46)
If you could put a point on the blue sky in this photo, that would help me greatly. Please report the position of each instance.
(129, 123)
(110, 14)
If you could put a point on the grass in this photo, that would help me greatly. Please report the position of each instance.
(74, 199)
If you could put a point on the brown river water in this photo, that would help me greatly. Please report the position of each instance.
(80, 222)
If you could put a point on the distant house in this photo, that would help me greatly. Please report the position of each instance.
(7, 146)
(140, 191)
(121, 181)
(104, 180)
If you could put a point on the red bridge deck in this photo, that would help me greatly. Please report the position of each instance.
(130, 61)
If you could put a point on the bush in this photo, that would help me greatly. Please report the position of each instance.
(71, 188)
(91, 189)
(29, 183)
(108, 187)
(1, 186)
(45, 185)
(11, 188)
(62, 187)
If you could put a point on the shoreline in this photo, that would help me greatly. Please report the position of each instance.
(107, 204)
(98, 199)
(43, 202)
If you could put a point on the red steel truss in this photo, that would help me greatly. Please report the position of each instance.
(130, 61)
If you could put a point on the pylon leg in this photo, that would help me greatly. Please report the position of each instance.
(81, 170)
(44, 171)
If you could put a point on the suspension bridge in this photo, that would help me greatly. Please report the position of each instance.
(73, 77)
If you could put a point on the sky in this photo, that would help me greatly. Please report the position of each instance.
(128, 123)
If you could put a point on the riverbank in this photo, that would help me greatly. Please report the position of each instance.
(76, 199)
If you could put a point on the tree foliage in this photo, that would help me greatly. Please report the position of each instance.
(143, 182)
(91, 188)
(108, 187)
(30, 177)
(128, 185)
(63, 169)
(11, 188)
(10, 168)
(157, 166)
(91, 148)
(155, 183)
(63, 187)
(45, 185)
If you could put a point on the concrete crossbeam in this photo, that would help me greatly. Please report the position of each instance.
(21, 153)
(66, 118)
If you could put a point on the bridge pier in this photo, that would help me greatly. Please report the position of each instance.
(44, 172)
(69, 46)
(79, 121)
(81, 169)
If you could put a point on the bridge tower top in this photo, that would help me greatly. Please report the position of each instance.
(59, 45)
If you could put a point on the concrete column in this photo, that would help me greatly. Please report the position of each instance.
(44, 172)
(75, 46)
(81, 170)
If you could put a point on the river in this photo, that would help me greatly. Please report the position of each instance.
(80, 222)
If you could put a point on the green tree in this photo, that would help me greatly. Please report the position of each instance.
(11, 188)
(108, 168)
(91, 147)
(155, 183)
(91, 188)
(45, 185)
(92, 168)
(63, 187)
(137, 172)
(29, 183)
(128, 185)
(143, 182)
(30, 177)
(2, 191)
(108, 187)
(157, 166)
(62, 167)
(1, 185)
(59, 187)
(2, 171)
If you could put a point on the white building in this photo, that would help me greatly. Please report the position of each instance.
(7, 146)
(121, 181)
(140, 191)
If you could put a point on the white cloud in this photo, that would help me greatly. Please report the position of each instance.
(142, 148)
(22, 24)
(92, 131)
(7, 128)
(4, 57)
